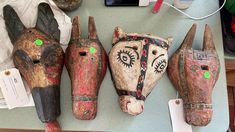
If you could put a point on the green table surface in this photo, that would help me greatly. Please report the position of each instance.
(155, 117)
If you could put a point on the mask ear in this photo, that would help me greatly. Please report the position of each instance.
(46, 22)
(13, 23)
(118, 34)
(169, 41)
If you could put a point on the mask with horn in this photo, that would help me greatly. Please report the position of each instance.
(194, 74)
(86, 61)
(38, 56)
(137, 62)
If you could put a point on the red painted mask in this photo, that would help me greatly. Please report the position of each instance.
(38, 56)
(137, 62)
(86, 61)
(194, 74)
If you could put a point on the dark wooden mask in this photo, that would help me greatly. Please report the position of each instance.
(38, 56)
(194, 74)
(86, 61)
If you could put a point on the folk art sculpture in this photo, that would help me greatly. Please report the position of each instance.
(38, 56)
(194, 74)
(86, 62)
(137, 62)
(68, 5)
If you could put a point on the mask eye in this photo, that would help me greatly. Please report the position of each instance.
(126, 58)
(160, 66)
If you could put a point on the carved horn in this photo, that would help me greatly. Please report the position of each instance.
(92, 29)
(188, 40)
(13, 23)
(208, 43)
(76, 30)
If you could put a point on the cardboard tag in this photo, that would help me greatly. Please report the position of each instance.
(177, 116)
(13, 88)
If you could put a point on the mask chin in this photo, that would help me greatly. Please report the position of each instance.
(131, 105)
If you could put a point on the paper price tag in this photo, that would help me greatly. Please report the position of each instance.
(13, 88)
(177, 116)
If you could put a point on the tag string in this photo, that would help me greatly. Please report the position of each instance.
(191, 17)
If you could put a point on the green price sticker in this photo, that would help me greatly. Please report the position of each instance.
(92, 50)
(38, 42)
(207, 75)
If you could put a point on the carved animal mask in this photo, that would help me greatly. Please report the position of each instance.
(194, 74)
(86, 61)
(38, 56)
(137, 62)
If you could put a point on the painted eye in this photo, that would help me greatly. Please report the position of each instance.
(126, 58)
(160, 66)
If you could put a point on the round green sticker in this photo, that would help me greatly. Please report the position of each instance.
(207, 75)
(92, 50)
(38, 42)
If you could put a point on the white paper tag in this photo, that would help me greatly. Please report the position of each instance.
(144, 2)
(177, 116)
(13, 88)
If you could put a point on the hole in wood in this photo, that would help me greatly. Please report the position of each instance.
(205, 67)
(36, 61)
(82, 53)
(154, 52)
(135, 48)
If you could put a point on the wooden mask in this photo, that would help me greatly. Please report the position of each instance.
(38, 56)
(86, 61)
(137, 62)
(194, 74)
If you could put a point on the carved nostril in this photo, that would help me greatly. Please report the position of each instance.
(205, 67)
(82, 53)
(36, 61)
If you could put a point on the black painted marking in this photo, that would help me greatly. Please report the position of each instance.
(134, 48)
(50, 55)
(46, 22)
(21, 59)
(126, 58)
(157, 42)
(47, 102)
(159, 68)
(130, 93)
(13, 23)
(157, 58)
